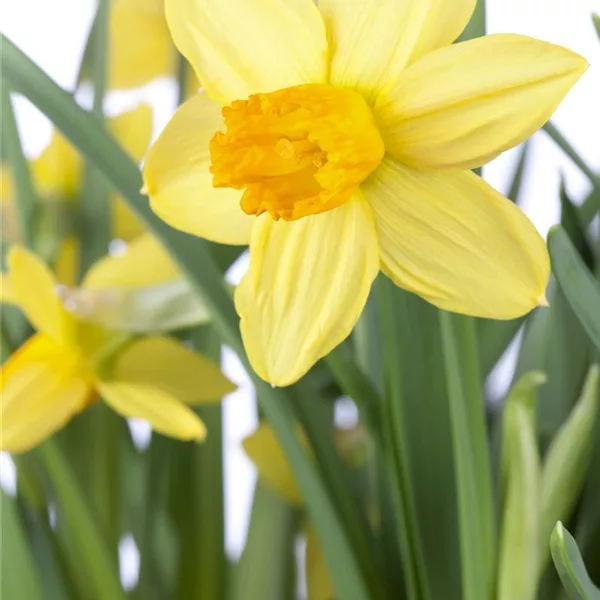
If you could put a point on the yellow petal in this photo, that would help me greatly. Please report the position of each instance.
(166, 414)
(178, 181)
(318, 581)
(35, 291)
(56, 173)
(145, 263)
(372, 41)
(456, 242)
(125, 224)
(68, 260)
(242, 47)
(463, 105)
(140, 46)
(165, 363)
(133, 130)
(264, 450)
(7, 294)
(42, 388)
(306, 287)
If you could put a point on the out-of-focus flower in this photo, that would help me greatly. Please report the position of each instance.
(57, 179)
(264, 450)
(69, 363)
(140, 47)
(349, 132)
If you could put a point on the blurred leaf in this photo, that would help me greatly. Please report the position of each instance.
(571, 221)
(570, 567)
(19, 579)
(596, 22)
(476, 542)
(519, 538)
(567, 460)
(85, 539)
(266, 567)
(193, 257)
(476, 26)
(25, 201)
(568, 149)
(578, 284)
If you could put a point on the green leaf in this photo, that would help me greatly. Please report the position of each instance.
(596, 22)
(567, 460)
(519, 547)
(193, 257)
(266, 567)
(570, 567)
(578, 284)
(572, 222)
(19, 579)
(568, 149)
(84, 537)
(475, 537)
(25, 201)
(476, 26)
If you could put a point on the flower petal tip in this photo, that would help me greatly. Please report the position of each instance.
(542, 301)
(144, 190)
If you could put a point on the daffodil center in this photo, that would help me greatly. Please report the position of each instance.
(297, 151)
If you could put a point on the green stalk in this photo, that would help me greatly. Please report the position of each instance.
(395, 451)
(95, 231)
(25, 194)
(474, 561)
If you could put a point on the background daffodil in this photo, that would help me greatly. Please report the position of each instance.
(57, 176)
(353, 150)
(68, 363)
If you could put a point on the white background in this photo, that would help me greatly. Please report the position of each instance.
(52, 33)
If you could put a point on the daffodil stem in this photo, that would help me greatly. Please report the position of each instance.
(473, 532)
(568, 149)
(25, 194)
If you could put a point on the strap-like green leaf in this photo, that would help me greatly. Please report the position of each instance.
(578, 284)
(570, 567)
(19, 579)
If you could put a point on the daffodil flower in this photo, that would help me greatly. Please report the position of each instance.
(264, 450)
(344, 146)
(57, 178)
(68, 364)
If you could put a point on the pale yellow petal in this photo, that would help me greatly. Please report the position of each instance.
(318, 581)
(144, 263)
(57, 172)
(165, 363)
(7, 294)
(372, 41)
(125, 224)
(264, 450)
(140, 46)
(456, 242)
(166, 414)
(463, 105)
(34, 289)
(242, 47)
(178, 181)
(306, 287)
(133, 130)
(68, 261)
(42, 388)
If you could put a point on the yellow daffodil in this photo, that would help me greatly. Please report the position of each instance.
(140, 47)
(68, 363)
(343, 147)
(57, 177)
